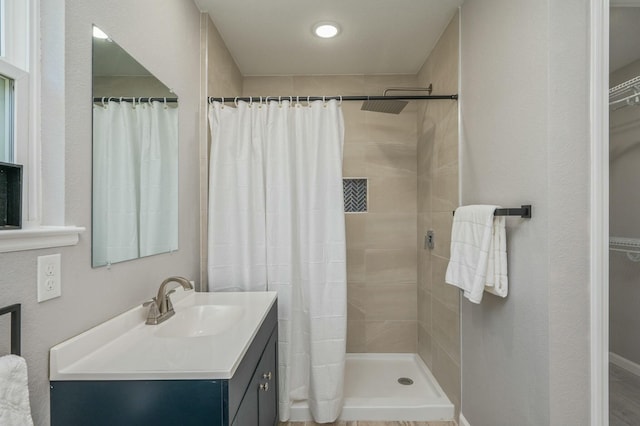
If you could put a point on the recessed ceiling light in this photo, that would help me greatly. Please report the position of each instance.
(98, 33)
(326, 29)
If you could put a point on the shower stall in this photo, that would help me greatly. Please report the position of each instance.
(401, 181)
(400, 172)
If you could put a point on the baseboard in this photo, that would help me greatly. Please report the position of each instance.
(622, 362)
(464, 421)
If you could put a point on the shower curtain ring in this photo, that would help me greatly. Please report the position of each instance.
(340, 103)
(235, 101)
(308, 103)
(133, 103)
(165, 103)
(103, 104)
(222, 103)
(279, 101)
(324, 103)
(250, 101)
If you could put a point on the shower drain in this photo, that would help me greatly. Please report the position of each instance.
(405, 381)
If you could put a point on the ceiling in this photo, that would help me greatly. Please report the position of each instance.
(623, 37)
(378, 36)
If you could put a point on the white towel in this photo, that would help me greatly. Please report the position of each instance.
(14, 393)
(478, 252)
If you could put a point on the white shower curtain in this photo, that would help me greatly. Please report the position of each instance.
(134, 180)
(298, 167)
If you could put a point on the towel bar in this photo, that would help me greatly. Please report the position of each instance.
(15, 326)
(523, 211)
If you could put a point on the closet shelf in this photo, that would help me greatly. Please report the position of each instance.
(630, 246)
(625, 94)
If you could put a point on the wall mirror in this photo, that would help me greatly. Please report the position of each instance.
(135, 158)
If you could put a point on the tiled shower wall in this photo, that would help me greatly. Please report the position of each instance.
(381, 244)
(438, 302)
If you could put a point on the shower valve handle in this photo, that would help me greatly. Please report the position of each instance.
(267, 375)
(264, 386)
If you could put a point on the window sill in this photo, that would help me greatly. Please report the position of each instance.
(39, 238)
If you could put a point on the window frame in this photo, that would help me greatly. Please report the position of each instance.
(20, 61)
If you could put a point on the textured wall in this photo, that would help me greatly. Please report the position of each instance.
(438, 302)
(91, 296)
(624, 210)
(381, 244)
(525, 123)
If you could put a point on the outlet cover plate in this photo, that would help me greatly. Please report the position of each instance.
(49, 281)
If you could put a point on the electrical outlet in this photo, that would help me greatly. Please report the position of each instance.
(49, 282)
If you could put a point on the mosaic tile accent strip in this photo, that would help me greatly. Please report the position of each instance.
(355, 195)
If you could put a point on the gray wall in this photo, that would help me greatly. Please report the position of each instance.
(91, 296)
(524, 100)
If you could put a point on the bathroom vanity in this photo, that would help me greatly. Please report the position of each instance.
(213, 363)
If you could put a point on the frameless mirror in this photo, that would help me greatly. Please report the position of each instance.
(135, 158)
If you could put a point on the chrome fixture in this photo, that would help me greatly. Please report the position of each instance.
(160, 307)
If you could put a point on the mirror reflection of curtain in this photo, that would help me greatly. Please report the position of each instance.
(276, 222)
(134, 167)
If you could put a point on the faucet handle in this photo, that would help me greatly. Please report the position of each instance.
(154, 311)
(150, 302)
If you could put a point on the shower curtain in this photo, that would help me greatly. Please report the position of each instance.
(276, 222)
(134, 180)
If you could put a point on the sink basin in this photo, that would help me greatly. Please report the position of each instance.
(205, 339)
(201, 320)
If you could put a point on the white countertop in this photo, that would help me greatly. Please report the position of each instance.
(125, 348)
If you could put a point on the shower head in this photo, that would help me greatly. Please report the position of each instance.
(386, 106)
(392, 106)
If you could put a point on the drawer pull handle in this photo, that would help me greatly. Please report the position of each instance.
(264, 386)
(267, 375)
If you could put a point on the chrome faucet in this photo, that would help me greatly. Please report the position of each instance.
(160, 307)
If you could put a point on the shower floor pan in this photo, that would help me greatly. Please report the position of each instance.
(372, 391)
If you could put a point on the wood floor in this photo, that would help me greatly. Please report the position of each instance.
(370, 423)
(624, 397)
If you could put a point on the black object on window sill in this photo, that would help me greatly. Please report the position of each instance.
(10, 196)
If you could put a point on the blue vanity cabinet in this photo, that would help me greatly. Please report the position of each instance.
(249, 398)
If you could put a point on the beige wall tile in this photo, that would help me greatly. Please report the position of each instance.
(446, 329)
(445, 189)
(329, 85)
(424, 310)
(354, 162)
(356, 336)
(447, 294)
(392, 195)
(401, 128)
(390, 266)
(446, 142)
(396, 301)
(268, 86)
(391, 336)
(442, 223)
(355, 265)
(356, 301)
(390, 230)
(447, 372)
(356, 230)
(391, 159)
(425, 347)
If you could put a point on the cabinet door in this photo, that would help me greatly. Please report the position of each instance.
(267, 376)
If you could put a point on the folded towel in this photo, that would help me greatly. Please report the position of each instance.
(478, 252)
(14, 393)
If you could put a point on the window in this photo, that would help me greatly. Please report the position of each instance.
(20, 128)
(6, 119)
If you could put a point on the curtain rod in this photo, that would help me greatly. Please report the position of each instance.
(327, 98)
(131, 99)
